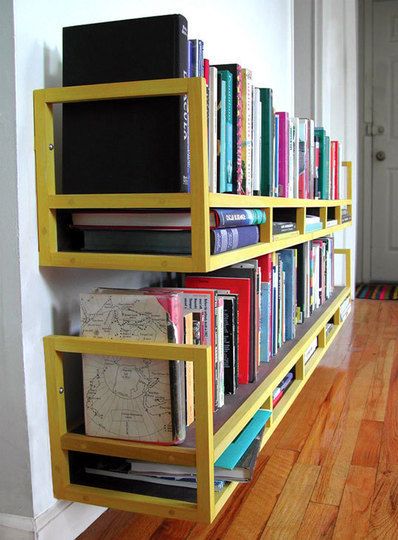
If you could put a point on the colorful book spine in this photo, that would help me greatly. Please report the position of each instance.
(221, 135)
(283, 154)
(302, 157)
(323, 185)
(276, 157)
(238, 217)
(247, 90)
(327, 166)
(256, 157)
(296, 157)
(235, 70)
(288, 261)
(291, 158)
(311, 134)
(227, 77)
(212, 139)
(233, 238)
(265, 264)
(267, 144)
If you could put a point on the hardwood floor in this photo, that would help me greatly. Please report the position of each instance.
(330, 470)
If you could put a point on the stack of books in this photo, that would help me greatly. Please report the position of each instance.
(165, 232)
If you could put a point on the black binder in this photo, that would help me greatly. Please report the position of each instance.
(129, 145)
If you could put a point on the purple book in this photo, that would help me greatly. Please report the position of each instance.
(283, 154)
(233, 238)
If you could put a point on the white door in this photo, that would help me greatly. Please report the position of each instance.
(384, 252)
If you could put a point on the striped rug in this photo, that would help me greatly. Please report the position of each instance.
(377, 291)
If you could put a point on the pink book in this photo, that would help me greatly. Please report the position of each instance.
(283, 154)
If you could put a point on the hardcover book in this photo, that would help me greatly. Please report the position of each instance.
(108, 146)
(283, 154)
(267, 142)
(235, 70)
(132, 398)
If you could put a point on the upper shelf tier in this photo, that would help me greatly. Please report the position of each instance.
(53, 206)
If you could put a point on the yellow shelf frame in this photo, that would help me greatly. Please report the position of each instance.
(198, 201)
(208, 445)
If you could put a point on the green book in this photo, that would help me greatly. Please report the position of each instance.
(323, 181)
(267, 134)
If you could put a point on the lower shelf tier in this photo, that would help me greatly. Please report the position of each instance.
(215, 432)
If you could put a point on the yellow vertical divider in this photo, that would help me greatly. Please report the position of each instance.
(348, 165)
(323, 214)
(199, 170)
(300, 217)
(56, 416)
(268, 225)
(322, 338)
(300, 368)
(45, 171)
(204, 443)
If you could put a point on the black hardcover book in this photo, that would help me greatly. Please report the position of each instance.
(230, 342)
(235, 69)
(279, 227)
(246, 273)
(128, 145)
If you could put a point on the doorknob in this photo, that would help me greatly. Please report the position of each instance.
(380, 156)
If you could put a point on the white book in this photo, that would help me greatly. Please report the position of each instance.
(296, 157)
(256, 157)
(310, 350)
(312, 158)
(213, 130)
(291, 158)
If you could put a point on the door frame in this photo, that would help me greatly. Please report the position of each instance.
(366, 123)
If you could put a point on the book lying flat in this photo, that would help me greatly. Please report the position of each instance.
(279, 227)
(242, 472)
(176, 242)
(219, 218)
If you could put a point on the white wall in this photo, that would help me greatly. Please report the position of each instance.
(15, 492)
(258, 34)
(328, 91)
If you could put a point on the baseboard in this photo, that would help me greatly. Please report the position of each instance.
(63, 521)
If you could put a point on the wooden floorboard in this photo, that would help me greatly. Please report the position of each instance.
(330, 469)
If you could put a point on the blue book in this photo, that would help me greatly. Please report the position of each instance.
(311, 227)
(228, 78)
(288, 261)
(231, 455)
(265, 315)
(221, 134)
(233, 238)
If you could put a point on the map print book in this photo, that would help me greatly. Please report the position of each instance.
(133, 398)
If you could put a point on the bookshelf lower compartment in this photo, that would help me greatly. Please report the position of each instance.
(204, 503)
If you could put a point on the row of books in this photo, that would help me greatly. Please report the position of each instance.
(165, 232)
(142, 145)
(256, 151)
(245, 312)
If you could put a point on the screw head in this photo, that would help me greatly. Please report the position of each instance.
(61, 390)
(51, 147)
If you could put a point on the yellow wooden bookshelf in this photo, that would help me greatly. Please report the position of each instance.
(211, 432)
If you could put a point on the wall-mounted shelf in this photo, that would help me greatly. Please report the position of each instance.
(199, 200)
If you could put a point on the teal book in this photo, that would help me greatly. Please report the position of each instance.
(267, 135)
(311, 227)
(230, 457)
(327, 167)
(323, 181)
(228, 78)
(221, 135)
(288, 261)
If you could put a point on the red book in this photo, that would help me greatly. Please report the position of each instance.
(241, 287)
(206, 66)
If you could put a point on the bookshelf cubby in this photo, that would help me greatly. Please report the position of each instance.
(212, 432)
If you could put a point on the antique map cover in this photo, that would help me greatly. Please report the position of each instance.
(133, 398)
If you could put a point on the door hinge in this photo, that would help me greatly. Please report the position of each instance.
(368, 129)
